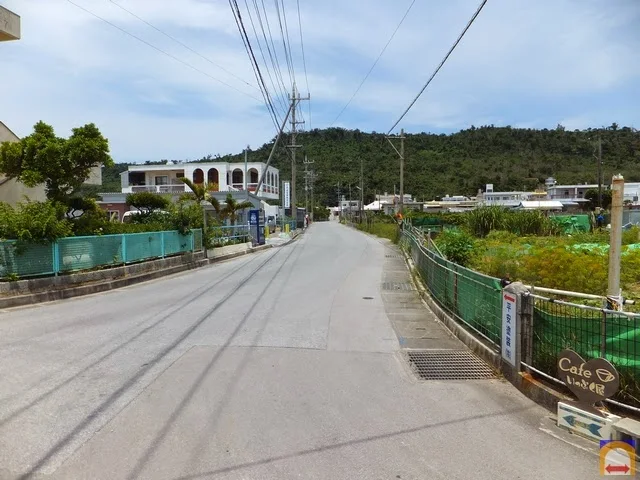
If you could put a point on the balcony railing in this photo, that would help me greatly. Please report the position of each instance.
(252, 187)
(158, 188)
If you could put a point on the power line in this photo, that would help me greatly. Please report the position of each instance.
(375, 63)
(275, 52)
(181, 44)
(304, 61)
(284, 44)
(475, 15)
(254, 63)
(286, 29)
(162, 51)
(255, 33)
(274, 61)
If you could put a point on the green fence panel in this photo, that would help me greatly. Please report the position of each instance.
(479, 303)
(81, 253)
(142, 246)
(197, 240)
(24, 259)
(175, 243)
(572, 223)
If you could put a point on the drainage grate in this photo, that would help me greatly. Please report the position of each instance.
(396, 286)
(393, 256)
(448, 365)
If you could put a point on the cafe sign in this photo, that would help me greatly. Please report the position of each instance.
(591, 381)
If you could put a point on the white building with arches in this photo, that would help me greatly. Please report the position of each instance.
(220, 176)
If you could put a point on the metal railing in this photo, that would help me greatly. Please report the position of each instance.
(70, 254)
(592, 332)
(549, 325)
(225, 235)
(472, 298)
(159, 188)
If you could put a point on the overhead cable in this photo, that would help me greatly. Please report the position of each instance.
(475, 15)
(173, 57)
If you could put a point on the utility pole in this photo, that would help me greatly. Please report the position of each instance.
(246, 172)
(599, 171)
(307, 176)
(295, 99)
(361, 188)
(401, 155)
(615, 237)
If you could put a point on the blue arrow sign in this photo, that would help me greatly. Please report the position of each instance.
(594, 428)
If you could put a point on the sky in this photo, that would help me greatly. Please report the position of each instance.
(524, 63)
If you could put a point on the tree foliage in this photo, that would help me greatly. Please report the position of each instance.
(34, 222)
(147, 202)
(62, 165)
(592, 196)
(459, 163)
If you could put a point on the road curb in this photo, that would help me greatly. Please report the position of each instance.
(523, 381)
(99, 287)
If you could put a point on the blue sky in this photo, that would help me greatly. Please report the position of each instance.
(522, 63)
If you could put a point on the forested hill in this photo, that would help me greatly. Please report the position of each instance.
(459, 163)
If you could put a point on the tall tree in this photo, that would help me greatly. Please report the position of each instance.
(62, 165)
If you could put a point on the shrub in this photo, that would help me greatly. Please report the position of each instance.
(38, 222)
(456, 245)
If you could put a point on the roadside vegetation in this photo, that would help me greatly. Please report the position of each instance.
(529, 247)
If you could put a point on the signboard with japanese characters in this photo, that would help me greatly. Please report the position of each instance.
(509, 339)
(591, 381)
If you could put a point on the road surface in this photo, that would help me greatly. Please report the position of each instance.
(270, 366)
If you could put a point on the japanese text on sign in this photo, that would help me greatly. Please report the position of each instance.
(509, 345)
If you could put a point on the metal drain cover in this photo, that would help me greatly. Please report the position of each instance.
(448, 365)
(393, 256)
(397, 286)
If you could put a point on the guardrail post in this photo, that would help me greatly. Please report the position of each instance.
(124, 248)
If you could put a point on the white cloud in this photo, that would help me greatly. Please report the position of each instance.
(521, 63)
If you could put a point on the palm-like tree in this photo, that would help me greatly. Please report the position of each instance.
(199, 191)
(232, 207)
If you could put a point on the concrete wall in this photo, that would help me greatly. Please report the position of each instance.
(9, 25)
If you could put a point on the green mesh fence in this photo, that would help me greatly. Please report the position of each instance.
(82, 253)
(592, 333)
(25, 260)
(470, 297)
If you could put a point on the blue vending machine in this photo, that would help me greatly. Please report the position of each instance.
(255, 228)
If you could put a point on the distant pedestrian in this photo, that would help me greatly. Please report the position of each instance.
(600, 221)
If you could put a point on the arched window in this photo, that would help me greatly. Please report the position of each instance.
(198, 176)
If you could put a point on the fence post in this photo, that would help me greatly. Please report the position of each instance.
(526, 316)
(55, 251)
(162, 244)
(124, 248)
(603, 335)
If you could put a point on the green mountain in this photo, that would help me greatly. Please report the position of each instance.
(454, 164)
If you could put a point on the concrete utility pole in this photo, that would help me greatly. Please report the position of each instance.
(599, 171)
(401, 155)
(246, 172)
(295, 100)
(307, 177)
(617, 196)
(361, 188)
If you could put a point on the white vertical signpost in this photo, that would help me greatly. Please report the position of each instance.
(287, 194)
(509, 328)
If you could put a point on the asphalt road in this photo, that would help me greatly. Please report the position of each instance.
(270, 366)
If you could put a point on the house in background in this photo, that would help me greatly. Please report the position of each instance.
(222, 176)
